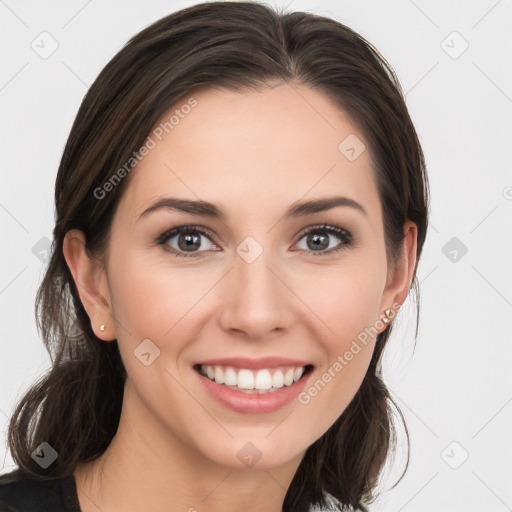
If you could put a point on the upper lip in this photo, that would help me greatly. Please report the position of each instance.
(260, 363)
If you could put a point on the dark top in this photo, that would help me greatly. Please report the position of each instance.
(21, 493)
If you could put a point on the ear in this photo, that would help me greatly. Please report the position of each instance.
(399, 281)
(91, 283)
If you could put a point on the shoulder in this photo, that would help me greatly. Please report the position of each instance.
(20, 492)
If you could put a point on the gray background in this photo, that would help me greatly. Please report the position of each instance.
(455, 390)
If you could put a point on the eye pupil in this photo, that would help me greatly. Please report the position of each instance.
(191, 241)
(315, 239)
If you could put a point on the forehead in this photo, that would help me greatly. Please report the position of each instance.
(244, 149)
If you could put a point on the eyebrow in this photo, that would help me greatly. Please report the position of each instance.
(297, 209)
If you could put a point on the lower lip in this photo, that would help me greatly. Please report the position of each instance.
(250, 403)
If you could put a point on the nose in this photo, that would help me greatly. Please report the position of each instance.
(256, 298)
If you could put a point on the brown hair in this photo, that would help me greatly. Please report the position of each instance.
(76, 406)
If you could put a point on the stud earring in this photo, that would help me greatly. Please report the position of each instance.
(102, 327)
(387, 313)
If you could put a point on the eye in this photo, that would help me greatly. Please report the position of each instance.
(185, 241)
(318, 238)
(188, 240)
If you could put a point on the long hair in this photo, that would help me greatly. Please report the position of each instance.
(76, 406)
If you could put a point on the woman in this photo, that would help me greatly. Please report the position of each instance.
(240, 210)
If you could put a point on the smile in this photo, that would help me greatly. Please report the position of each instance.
(245, 380)
(253, 387)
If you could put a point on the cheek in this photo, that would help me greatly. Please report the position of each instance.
(152, 297)
(163, 303)
(345, 299)
(346, 303)
(151, 301)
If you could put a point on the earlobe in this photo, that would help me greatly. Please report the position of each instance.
(90, 281)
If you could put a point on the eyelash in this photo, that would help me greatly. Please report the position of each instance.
(342, 234)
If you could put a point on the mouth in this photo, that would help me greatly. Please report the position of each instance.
(254, 381)
(253, 386)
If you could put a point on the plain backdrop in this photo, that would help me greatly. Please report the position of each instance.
(453, 59)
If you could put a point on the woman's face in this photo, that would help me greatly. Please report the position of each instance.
(262, 292)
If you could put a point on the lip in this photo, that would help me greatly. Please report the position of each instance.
(253, 403)
(254, 364)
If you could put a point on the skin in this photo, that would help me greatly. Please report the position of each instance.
(254, 153)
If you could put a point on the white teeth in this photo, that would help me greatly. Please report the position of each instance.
(252, 381)
(245, 379)
(288, 377)
(263, 380)
(230, 378)
(278, 379)
(219, 375)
